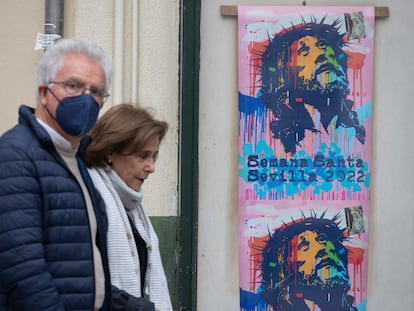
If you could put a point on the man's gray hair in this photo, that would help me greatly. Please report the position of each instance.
(52, 60)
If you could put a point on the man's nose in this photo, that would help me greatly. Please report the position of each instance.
(87, 89)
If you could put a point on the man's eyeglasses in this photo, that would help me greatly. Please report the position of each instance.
(74, 87)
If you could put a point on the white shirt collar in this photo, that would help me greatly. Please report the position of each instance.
(58, 140)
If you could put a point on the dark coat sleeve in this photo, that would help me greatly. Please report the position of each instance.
(24, 275)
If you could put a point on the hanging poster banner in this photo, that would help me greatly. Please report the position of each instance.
(305, 81)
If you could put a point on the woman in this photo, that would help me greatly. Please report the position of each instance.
(120, 157)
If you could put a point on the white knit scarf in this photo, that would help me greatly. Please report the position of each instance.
(122, 252)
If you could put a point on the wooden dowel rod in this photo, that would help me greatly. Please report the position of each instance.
(231, 10)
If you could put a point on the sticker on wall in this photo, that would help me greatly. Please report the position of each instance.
(43, 41)
(305, 81)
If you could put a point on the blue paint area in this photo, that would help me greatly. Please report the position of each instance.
(251, 301)
(364, 112)
(248, 104)
(362, 306)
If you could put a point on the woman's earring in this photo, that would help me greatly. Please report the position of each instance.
(109, 161)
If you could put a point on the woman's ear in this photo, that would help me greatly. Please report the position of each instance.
(109, 158)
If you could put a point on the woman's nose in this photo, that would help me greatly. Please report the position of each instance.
(150, 166)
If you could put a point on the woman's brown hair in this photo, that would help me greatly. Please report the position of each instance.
(125, 129)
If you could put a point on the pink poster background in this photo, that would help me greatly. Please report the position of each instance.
(329, 172)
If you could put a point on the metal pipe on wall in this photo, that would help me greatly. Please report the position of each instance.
(54, 12)
(134, 52)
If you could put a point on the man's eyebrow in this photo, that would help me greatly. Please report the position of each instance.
(80, 81)
(76, 78)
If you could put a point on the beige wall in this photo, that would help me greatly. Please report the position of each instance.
(151, 78)
(19, 23)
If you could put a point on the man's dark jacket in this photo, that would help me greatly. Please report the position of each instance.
(46, 260)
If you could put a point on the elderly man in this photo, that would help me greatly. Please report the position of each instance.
(52, 249)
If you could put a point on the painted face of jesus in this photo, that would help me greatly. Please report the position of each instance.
(316, 62)
(317, 256)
